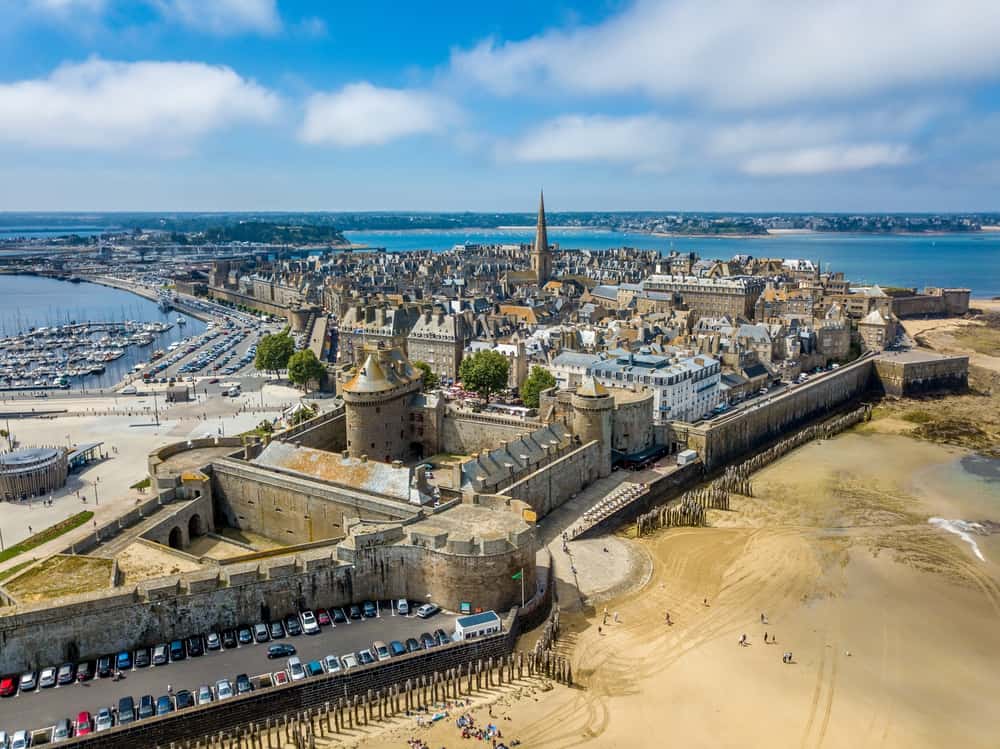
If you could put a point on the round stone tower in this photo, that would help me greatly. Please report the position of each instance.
(593, 409)
(376, 405)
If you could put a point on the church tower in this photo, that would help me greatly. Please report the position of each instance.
(541, 259)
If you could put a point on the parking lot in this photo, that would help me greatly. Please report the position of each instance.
(40, 708)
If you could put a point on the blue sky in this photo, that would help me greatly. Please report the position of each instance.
(775, 105)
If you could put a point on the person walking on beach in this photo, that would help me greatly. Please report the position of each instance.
(616, 617)
(743, 640)
(765, 638)
(605, 615)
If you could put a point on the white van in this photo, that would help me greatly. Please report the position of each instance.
(129, 390)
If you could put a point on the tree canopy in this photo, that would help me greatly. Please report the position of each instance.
(538, 380)
(430, 378)
(484, 372)
(304, 367)
(274, 351)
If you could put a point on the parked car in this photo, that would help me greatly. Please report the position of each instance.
(276, 630)
(309, 624)
(365, 657)
(104, 719)
(20, 740)
(442, 637)
(339, 617)
(204, 694)
(261, 633)
(243, 684)
(412, 645)
(229, 638)
(104, 666)
(427, 641)
(403, 606)
(323, 618)
(63, 731)
(46, 678)
(397, 648)
(124, 661)
(280, 650)
(141, 659)
(164, 705)
(84, 672)
(66, 674)
(223, 689)
(84, 723)
(332, 664)
(160, 655)
(381, 650)
(126, 710)
(147, 707)
(177, 651)
(195, 646)
(29, 680)
(213, 641)
(350, 660)
(292, 625)
(355, 611)
(295, 669)
(369, 609)
(428, 610)
(244, 635)
(8, 686)
(183, 698)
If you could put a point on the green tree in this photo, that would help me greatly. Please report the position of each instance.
(274, 351)
(484, 372)
(538, 380)
(431, 380)
(304, 367)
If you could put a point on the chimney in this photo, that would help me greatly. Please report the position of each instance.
(364, 458)
(344, 454)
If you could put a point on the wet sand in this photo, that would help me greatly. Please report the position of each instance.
(892, 622)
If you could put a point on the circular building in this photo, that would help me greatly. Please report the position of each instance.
(593, 408)
(32, 471)
(376, 402)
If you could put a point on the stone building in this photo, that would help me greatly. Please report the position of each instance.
(377, 401)
(438, 338)
(593, 408)
(541, 257)
(711, 297)
(383, 325)
(877, 331)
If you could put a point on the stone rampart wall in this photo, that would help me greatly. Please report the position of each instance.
(152, 611)
(325, 432)
(467, 433)
(726, 437)
(900, 378)
(291, 509)
(550, 486)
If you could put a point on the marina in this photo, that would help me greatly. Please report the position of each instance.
(97, 340)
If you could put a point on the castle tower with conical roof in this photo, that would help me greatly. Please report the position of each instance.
(541, 258)
(593, 411)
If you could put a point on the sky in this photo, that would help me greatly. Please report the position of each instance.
(686, 105)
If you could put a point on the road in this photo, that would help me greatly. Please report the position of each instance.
(44, 707)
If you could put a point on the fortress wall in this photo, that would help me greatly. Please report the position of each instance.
(550, 486)
(464, 434)
(290, 509)
(899, 377)
(86, 626)
(325, 432)
(734, 434)
(196, 514)
(225, 295)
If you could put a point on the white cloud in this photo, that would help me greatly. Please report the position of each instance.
(223, 16)
(107, 105)
(742, 54)
(361, 114)
(827, 159)
(67, 6)
(644, 139)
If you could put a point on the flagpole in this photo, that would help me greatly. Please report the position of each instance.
(522, 587)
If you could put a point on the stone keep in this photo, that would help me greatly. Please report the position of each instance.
(593, 409)
(376, 403)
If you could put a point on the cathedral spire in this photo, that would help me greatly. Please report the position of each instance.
(541, 235)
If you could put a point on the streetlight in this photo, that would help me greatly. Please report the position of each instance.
(97, 481)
